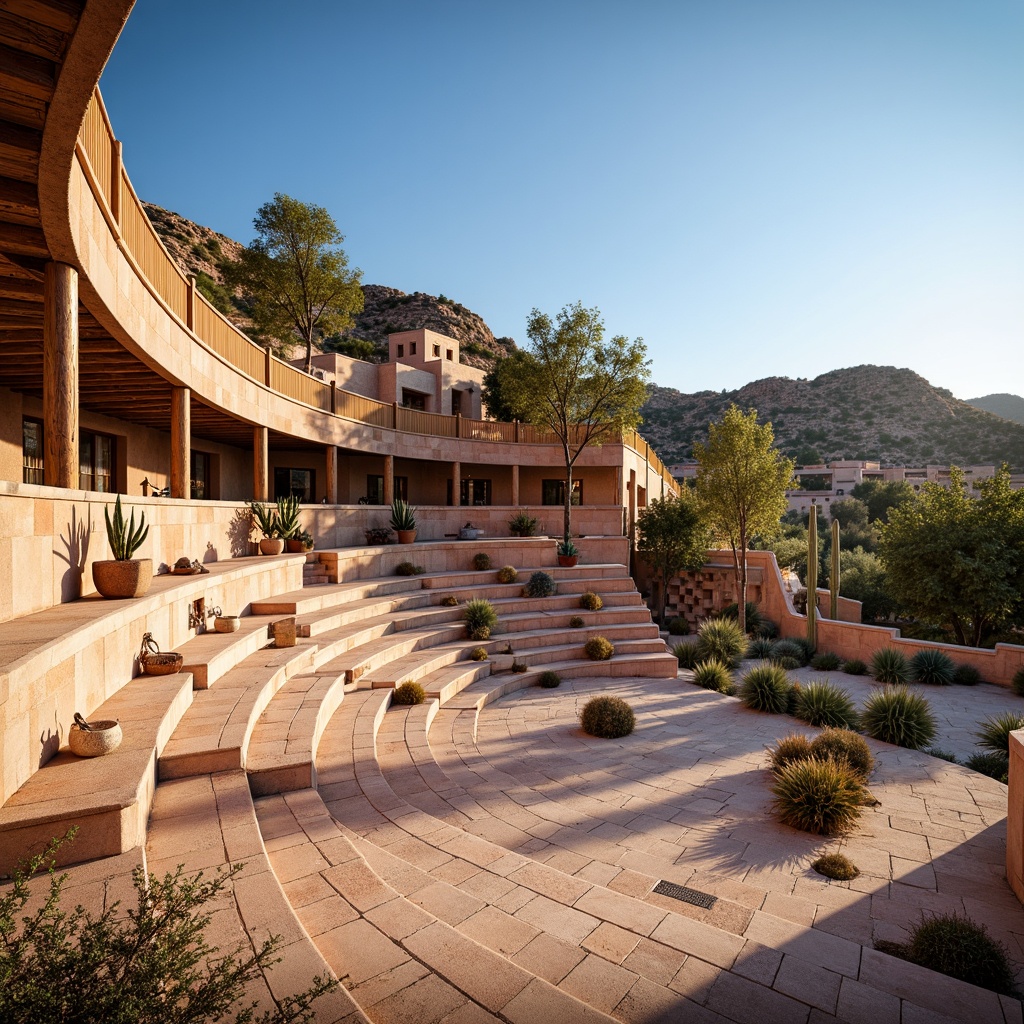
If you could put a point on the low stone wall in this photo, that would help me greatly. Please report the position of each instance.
(1015, 816)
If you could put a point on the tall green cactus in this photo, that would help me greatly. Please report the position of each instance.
(124, 538)
(812, 577)
(833, 574)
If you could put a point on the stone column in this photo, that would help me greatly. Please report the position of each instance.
(181, 442)
(389, 479)
(332, 474)
(260, 464)
(456, 483)
(515, 483)
(60, 375)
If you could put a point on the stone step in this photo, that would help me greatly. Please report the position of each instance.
(476, 577)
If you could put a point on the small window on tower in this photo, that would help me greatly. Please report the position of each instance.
(412, 349)
(450, 354)
(401, 351)
(437, 350)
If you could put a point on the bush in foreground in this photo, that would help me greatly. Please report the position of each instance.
(597, 648)
(549, 680)
(409, 693)
(889, 666)
(712, 675)
(966, 675)
(722, 640)
(766, 688)
(825, 704)
(590, 601)
(540, 584)
(994, 733)
(826, 661)
(686, 655)
(855, 667)
(794, 747)
(836, 866)
(607, 717)
(789, 648)
(895, 715)
(480, 618)
(932, 667)
(818, 795)
(761, 647)
(847, 746)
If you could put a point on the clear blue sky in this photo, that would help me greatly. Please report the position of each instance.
(756, 188)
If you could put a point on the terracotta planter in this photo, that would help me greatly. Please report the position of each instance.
(568, 561)
(406, 536)
(271, 546)
(100, 738)
(294, 547)
(130, 578)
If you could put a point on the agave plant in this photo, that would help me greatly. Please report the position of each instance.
(266, 519)
(288, 517)
(888, 665)
(403, 516)
(125, 538)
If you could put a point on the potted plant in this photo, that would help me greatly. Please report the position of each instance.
(288, 518)
(379, 535)
(568, 554)
(123, 576)
(305, 538)
(522, 524)
(270, 526)
(403, 521)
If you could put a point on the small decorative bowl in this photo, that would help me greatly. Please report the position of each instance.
(164, 664)
(226, 623)
(100, 738)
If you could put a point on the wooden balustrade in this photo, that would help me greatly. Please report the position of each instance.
(487, 430)
(364, 410)
(415, 421)
(97, 138)
(227, 341)
(285, 379)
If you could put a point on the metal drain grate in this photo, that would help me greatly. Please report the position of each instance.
(681, 892)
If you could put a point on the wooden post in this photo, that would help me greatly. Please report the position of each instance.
(334, 397)
(458, 424)
(116, 169)
(515, 483)
(268, 364)
(389, 479)
(190, 304)
(60, 375)
(456, 483)
(515, 431)
(332, 473)
(394, 415)
(260, 464)
(181, 441)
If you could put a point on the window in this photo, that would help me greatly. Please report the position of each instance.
(200, 476)
(472, 492)
(437, 350)
(412, 349)
(375, 489)
(450, 354)
(300, 483)
(414, 400)
(96, 462)
(553, 492)
(401, 351)
(31, 451)
(456, 401)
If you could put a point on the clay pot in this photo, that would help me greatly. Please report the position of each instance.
(406, 536)
(271, 546)
(101, 738)
(568, 561)
(226, 623)
(130, 578)
(294, 547)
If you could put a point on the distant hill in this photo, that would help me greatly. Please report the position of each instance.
(1009, 407)
(878, 413)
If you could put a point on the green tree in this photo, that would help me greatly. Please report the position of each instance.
(881, 496)
(295, 276)
(585, 390)
(956, 559)
(741, 482)
(864, 580)
(673, 537)
(499, 391)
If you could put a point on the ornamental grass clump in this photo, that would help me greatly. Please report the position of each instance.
(836, 866)
(761, 647)
(943, 755)
(607, 717)
(889, 666)
(409, 693)
(482, 561)
(826, 661)
(597, 648)
(794, 747)
(766, 688)
(723, 640)
(755, 620)
(1017, 682)
(818, 795)
(686, 655)
(992, 763)
(826, 704)
(932, 667)
(480, 618)
(576, 622)
(790, 648)
(994, 733)
(786, 662)
(508, 574)
(855, 667)
(540, 584)
(896, 715)
(847, 746)
(712, 675)
(590, 601)
(966, 675)
(549, 680)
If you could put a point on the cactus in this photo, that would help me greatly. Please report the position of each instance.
(833, 575)
(812, 577)
(124, 538)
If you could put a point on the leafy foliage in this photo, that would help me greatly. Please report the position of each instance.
(576, 622)
(723, 640)
(855, 667)
(932, 666)
(409, 693)
(480, 618)
(678, 626)
(762, 648)
(888, 665)
(897, 715)
(522, 524)
(995, 765)
(794, 747)
(1017, 682)
(450, 601)
(411, 569)
(881, 497)
(790, 648)
(607, 717)
(818, 795)
(597, 648)
(825, 704)
(686, 654)
(766, 688)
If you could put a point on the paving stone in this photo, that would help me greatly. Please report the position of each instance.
(808, 983)
(598, 983)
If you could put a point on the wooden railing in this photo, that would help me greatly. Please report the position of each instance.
(121, 206)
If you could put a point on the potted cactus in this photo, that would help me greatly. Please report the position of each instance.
(123, 575)
(403, 521)
(270, 526)
(568, 554)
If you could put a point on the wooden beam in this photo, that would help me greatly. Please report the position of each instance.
(31, 37)
(260, 464)
(59, 14)
(27, 73)
(19, 198)
(181, 442)
(16, 288)
(23, 240)
(60, 376)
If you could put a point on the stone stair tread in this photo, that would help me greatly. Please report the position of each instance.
(471, 577)
(210, 654)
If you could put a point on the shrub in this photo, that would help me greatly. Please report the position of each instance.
(519, 666)
(761, 648)
(478, 654)
(379, 535)
(598, 649)
(889, 666)
(409, 693)
(789, 648)
(767, 630)
(855, 667)
(957, 947)
(794, 696)
(966, 675)
(722, 640)
(408, 569)
(943, 755)
(836, 866)
(794, 747)
(818, 795)
(766, 688)
(1017, 683)
(805, 645)
(994, 733)
(607, 717)
(482, 561)
(549, 680)
(826, 704)
(826, 661)
(933, 667)
(522, 524)
(847, 746)
(576, 622)
(450, 601)
(591, 601)
(790, 664)
(992, 763)
(712, 675)
(755, 620)
(678, 626)
(898, 716)
(686, 655)
(480, 618)
(540, 584)
(507, 574)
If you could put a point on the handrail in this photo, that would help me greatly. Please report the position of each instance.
(113, 190)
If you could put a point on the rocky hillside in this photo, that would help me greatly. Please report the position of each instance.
(880, 413)
(1009, 407)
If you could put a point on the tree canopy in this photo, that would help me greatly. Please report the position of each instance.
(573, 382)
(741, 483)
(882, 495)
(499, 391)
(957, 560)
(295, 276)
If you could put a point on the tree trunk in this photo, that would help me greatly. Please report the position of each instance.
(741, 604)
(567, 525)
(308, 365)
